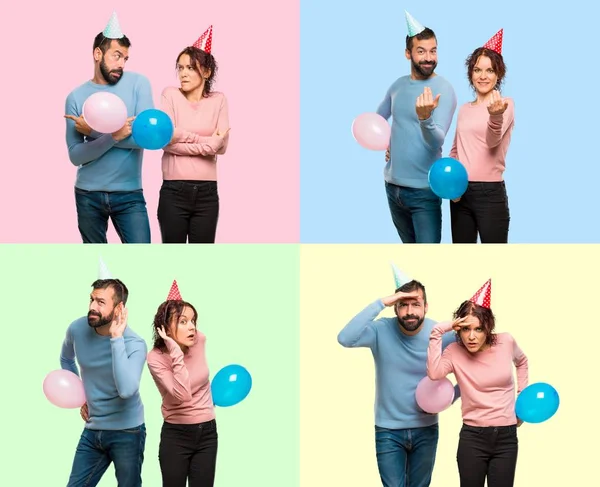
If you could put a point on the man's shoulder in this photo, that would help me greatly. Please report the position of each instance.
(443, 83)
(132, 337)
(81, 90)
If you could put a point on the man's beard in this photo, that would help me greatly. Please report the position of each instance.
(424, 69)
(106, 74)
(413, 325)
(101, 320)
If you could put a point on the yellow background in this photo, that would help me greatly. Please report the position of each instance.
(546, 296)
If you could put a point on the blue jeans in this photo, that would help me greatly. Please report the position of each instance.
(126, 209)
(416, 213)
(406, 457)
(97, 449)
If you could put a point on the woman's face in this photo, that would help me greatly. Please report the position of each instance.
(189, 76)
(472, 334)
(183, 331)
(484, 78)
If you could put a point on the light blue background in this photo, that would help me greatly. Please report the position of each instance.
(351, 52)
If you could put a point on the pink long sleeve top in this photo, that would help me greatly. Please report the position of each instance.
(183, 382)
(485, 378)
(481, 141)
(192, 155)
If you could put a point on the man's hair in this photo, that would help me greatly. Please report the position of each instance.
(120, 290)
(104, 43)
(421, 36)
(411, 287)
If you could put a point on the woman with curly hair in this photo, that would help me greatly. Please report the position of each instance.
(483, 133)
(188, 207)
(177, 363)
(481, 361)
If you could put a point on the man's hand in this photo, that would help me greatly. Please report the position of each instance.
(118, 325)
(124, 131)
(426, 104)
(85, 413)
(497, 106)
(80, 124)
(387, 155)
(399, 296)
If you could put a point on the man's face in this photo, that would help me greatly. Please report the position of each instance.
(411, 312)
(112, 62)
(102, 307)
(423, 57)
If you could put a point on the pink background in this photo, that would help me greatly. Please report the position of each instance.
(255, 43)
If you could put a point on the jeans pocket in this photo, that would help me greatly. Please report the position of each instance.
(172, 187)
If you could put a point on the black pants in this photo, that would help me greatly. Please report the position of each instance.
(487, 452)
(188, 211)
(483, 210)
(188, 452)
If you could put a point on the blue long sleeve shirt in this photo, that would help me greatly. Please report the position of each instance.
(111, 371)
(102, 163)
(400, 364)
(415, 145)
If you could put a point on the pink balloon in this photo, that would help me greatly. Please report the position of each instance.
(372, 131)
(64, 389)
(434, 396)
(104, 112)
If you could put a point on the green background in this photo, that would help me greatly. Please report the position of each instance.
(247, 301)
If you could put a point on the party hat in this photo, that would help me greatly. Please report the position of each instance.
(204, 42)
(495, 43)
(103, 272)
(413, 25)
(113, 29)
(174, 294)
(483, 297)
(399, 276)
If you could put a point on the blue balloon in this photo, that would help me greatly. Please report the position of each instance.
(152, 129)
(537, 403)
(231, 385)
(448, 178)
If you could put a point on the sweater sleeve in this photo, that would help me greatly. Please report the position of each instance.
(385, 107)
(174, 378)
(128, 367)
(499, 124)
(522, 366)
(67, 353)
(439, 364)
(435, 128)
(361, 330)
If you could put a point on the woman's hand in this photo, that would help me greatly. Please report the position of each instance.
(458, 323)
(163, 334)
(497, 106)
(222, 134)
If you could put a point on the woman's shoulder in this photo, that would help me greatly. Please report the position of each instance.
(155, 355)
(504, 338)
(170, 91)
(217, 96)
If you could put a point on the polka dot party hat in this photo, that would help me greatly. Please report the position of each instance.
(103, 272)
(495, 43)
(483, 297)
(174, 294)
(413, 25)
(204, 42)
(399, 277)
(113, 29)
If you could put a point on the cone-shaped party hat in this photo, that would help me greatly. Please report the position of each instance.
(495, 42)
(174, 294)
(399, 277)
(483, 297)
(103, 272)
(113, 29)
(413, 25)
(204, 42)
